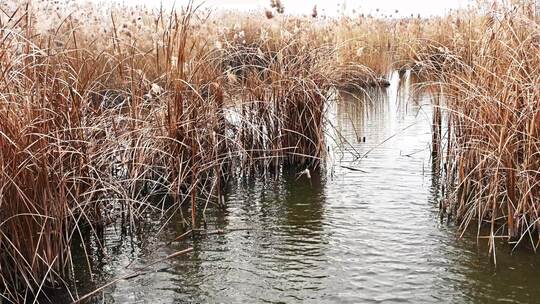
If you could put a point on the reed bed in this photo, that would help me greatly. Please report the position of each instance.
(115, 115)
(487, 76)
(108, 113)
(480, 64)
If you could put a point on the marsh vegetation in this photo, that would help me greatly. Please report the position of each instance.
(125, 114)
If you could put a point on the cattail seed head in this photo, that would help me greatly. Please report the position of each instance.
(278, 6)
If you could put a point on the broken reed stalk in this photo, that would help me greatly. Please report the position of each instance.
(131, 275)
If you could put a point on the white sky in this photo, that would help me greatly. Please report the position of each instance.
(387, 7)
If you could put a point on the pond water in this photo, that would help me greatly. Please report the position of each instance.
(348, 236)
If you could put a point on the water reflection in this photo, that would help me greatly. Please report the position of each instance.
(366, 232)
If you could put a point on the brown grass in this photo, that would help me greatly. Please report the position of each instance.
(488, 73)
(108, 115)
(100, 116)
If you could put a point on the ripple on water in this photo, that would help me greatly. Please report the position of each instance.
(352, 237)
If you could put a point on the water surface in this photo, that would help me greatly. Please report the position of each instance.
(348, 236)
